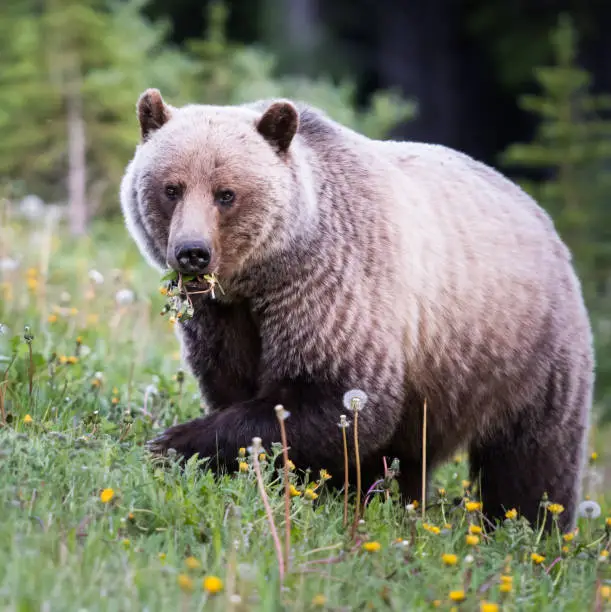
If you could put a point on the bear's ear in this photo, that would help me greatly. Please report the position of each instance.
(153, 112)
(279, 124)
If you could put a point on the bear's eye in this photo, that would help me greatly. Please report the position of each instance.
(172, 192)
(224, 197)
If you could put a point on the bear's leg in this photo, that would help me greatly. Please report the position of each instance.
(542, 451)
(313, 433)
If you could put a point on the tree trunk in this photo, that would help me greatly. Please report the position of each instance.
(77, 162)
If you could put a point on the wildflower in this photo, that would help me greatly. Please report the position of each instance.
(63, 359)
(319, 600)
(556, 509)
(243, 466)
(79, 340)
(608, 521)
(192, 563)
(124, 297)
(130, 516)
(115, 400)
(506, 579)
(27, 419)
(96, 277)
(568, 537)
(355, 400)
(431, 528)
(126, 543)
(466, 484)
(605, 592)
(163, 290)
(488, 606)
(449, 559)
(212, 584)
(74, 311)
(472, 506)
(447, 526)
(604, 555)
(472, 540)
(475, 529)
(593, 456)
(469, 559)
(32, 284)
(588, 509)
(293, 491)
(537, 558)
(106, 495)
(185, 582)
(72, 360)
(162, 556)
(242, 452)
(324, 475)
(565, 550)
(505, 587)
(93, 319)
(52, 318)
(372, 546)
(309, 494)
(457, 595)
(441, 491)
(262, 457)
(436, 603)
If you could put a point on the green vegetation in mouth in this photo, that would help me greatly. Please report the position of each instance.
(175, 287)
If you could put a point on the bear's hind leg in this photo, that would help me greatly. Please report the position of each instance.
(542, 451)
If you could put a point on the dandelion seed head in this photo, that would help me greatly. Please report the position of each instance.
(588, 509)
(355, 399)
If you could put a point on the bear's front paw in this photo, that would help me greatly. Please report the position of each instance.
(185, 440)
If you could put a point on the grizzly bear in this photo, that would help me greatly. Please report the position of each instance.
(409, 271)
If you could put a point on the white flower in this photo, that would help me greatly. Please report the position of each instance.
(355, 396)
(469, 559)
(85, 350)
(3, 329)
(96, 277)
(8, 264)
(410, 508)
(124, 297)
(588, 509)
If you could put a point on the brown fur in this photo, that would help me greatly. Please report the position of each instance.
(409, 271)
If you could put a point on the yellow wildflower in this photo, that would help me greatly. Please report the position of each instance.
(106, 495)
(319, 600)
(72, 360)
(130, 516)
(52, 318)
(262, 457)
(466, 484)
(556, 509)
(457, 595)
(593, 456)
(608, 521)
(436, 603)
(505, 587)
(472, 540)
(605, 592)
(63, 359)
(293, 491)
(506, 579)
(488, 606)
(212, 584)
(603, 554)
(449, 559)
(126, 543)
(163, 290)
(32, 284)
(309, 494)
(472, 506)
(476, 529)
(372, 546)
(93, 319)
(115, 400)
(243, 466)
(242, 452)
(537, 558)
(185, 582)
(27, 419)
(74, 311)
(192, 563)
(511, 514)
(565, 550)
(448, 526)
(324, 475)
(431, 528)
(568, 537)
(32, 272)
(441, 492)
(162, 556)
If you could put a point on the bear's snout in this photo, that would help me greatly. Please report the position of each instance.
(192, 257)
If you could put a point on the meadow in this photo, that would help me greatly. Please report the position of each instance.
(89, 371)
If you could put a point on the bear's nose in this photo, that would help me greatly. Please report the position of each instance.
(193, 257)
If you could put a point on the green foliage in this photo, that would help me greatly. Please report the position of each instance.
(103, 51)
(572, 148)
(231, 73)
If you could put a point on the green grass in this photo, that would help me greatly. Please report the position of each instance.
(105, 378)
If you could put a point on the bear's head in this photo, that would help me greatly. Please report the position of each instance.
(212, 189)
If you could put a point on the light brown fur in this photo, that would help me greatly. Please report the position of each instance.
(407, 270)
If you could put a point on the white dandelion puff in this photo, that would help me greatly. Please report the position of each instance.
(355, 399)
(588, 509)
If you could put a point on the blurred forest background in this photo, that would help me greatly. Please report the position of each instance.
(524, 85)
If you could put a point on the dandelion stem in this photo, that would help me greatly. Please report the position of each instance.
(424, 460)
(268, 510)
(287, 498)
(358, 466)
(345, 476)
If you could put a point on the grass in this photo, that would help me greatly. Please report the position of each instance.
(90, 522)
